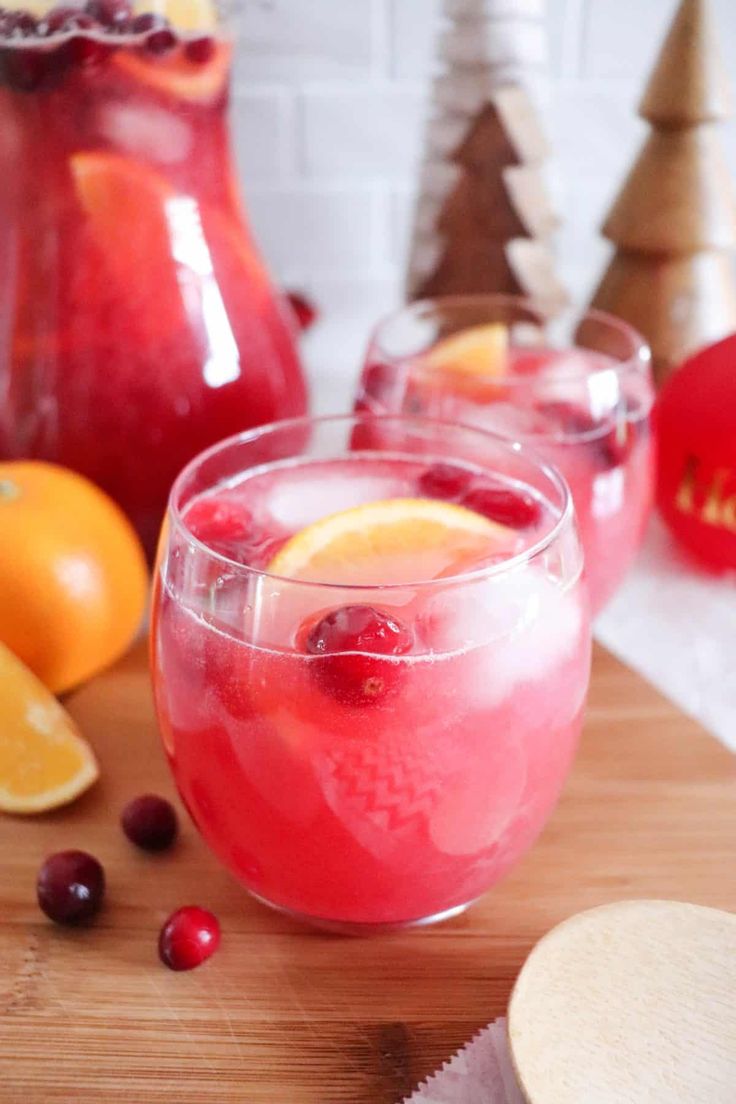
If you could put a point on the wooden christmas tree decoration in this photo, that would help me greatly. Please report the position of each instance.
(674, 222)
(483, 219)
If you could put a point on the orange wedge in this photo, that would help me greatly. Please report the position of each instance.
(185, 15)
(176, 76)
(136, 221)
(397, 540)
(470, 361)
(44, 762)
(126, 203)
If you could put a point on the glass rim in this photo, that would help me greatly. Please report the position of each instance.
(640, 357)
(565, 518)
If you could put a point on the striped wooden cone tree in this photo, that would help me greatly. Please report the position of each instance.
(673, 224)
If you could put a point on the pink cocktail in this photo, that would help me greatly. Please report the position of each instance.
(577, 388)
(376, 742)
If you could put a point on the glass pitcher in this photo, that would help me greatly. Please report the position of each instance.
(137, 322)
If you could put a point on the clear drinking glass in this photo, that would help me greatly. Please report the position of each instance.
(352, 787)
(578, 387)
(137, 322)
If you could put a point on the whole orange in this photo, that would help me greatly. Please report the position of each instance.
(73, 577)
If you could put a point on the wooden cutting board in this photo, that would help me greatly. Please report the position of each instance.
(288, 1016)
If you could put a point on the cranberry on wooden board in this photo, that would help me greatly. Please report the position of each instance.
(150, 822)
(189, 937)
(70, 886)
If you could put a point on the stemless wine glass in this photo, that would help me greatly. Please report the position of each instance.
(374, 753)
(577, 386)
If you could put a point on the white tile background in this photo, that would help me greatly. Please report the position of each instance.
(330, 97)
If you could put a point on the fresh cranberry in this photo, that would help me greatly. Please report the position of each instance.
(17, 24)
(219, 517)
(226, 527)
(616, 445)
(83, 50)
(110, 13)
(444, 481)
(516, 509)
(70, 886)
(188, 938)
(150, 822)
(27, 70)
(303, 308)
(148, 21)
(160, 42)
(611, 446)
(378, 382)
(351, 641)
(200, 50)
(63, 20)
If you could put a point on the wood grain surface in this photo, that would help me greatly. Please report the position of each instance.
(288, 1016)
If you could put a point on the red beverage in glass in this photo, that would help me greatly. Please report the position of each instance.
(376, 743)
(577, 388)
(138, 324)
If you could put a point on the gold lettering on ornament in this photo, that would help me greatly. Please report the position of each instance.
(708, 501)
(685, 497)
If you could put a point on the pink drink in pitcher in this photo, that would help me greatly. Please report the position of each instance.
(137, 322)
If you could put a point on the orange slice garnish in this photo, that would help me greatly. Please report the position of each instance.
(44, 762)
(186, 15)
(126, 203)
(397, 540)
(469, 362)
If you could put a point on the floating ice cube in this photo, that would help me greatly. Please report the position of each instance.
(148, 132)
(517, 628)
(580, 377)
(303, 496)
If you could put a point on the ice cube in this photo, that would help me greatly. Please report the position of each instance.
(299, 498)
(516, 627)
(582, 378)
(151, 132)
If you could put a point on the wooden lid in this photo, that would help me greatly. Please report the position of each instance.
(629, 1002)
(689, 83)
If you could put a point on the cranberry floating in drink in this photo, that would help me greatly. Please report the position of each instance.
(370, 658)
(139, 324)
(577, 388)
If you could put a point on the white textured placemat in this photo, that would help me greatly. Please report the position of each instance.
(480, 1073)
(676, 625)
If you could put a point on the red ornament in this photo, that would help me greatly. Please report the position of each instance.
(696, 490)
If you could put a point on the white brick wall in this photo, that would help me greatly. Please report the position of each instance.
(329, 104)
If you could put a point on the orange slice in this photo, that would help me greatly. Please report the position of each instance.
(185, 15)
(174, 75)
(126, 203)
(468, 361)
(136, 222)
(44, 762)
(397, 540)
